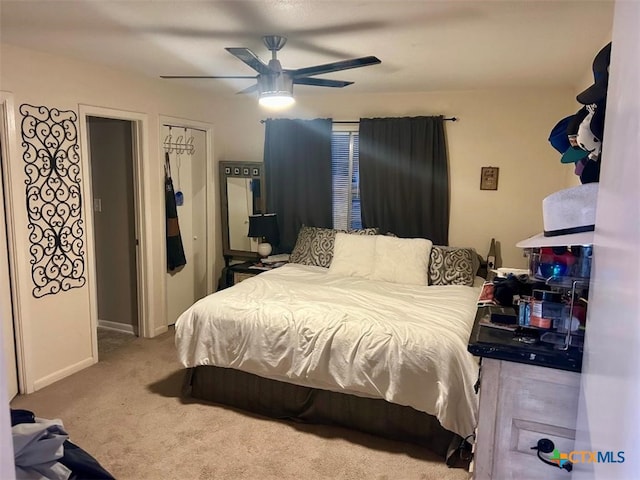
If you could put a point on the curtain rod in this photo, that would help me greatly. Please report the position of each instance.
(449, 119)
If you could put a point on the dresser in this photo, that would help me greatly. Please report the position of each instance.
(527, 392)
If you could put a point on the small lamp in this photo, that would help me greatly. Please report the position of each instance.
(265, 227)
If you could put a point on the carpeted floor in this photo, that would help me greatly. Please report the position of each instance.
(110, 340)
(128, 413)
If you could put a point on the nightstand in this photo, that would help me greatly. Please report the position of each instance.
(238, 272)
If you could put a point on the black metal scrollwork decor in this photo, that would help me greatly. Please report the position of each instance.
(54, 200)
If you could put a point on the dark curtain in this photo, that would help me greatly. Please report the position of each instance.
(404, 177)
(297, 160)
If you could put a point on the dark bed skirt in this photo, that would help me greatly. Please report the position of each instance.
(281, 400)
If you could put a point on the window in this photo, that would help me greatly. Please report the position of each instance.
(345, 177)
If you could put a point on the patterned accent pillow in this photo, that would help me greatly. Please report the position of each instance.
(314, 245)
(363, 231)
(452, 266)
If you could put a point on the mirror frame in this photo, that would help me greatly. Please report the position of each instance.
(238, 170)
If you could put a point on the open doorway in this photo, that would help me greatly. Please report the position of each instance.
(112, 158)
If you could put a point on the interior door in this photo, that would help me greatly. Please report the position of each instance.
(6, 310)
(187, 159)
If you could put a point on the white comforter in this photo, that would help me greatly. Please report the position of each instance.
(299, 324)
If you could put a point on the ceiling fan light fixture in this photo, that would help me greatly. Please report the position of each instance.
(277, 100)
(276, 91)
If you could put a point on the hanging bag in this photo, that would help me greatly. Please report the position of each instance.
(175, 250)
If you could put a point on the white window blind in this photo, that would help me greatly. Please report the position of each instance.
(345, 176)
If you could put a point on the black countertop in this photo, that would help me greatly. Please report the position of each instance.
(500, 344)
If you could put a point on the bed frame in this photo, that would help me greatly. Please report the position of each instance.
(282, 400)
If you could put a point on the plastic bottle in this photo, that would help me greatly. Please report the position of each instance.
(546, 309)
(523, 311)
(491, 256)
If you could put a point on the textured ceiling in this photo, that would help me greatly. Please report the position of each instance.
(423, 45)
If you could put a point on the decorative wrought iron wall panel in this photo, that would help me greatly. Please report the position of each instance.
(54, 200)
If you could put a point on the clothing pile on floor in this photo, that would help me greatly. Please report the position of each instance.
(42, 450)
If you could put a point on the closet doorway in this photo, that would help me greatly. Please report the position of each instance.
(113, 165)
(187, 148)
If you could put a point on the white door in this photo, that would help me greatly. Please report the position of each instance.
(608, 413)
(187, 158)
(6, 311)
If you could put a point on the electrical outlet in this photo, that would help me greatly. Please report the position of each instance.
(97, 205)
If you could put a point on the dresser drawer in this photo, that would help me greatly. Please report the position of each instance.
(519, 405)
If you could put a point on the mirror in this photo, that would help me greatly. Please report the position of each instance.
(242, 194)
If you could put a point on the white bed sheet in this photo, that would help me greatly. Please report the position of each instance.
(406, 344)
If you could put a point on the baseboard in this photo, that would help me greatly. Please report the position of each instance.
(65, 372)
(160, 330)
(120, 327)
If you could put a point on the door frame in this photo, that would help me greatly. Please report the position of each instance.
(210, 195)
(140, 158)
(10, 154)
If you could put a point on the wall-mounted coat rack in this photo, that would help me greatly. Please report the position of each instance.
(180, 144)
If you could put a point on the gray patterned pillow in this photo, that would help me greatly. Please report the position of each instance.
(452, 266)
(363, 231)
(314, 245)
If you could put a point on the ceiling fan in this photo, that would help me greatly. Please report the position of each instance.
(274, 83)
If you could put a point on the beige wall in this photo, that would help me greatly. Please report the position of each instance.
(56, 329)
(500, 128)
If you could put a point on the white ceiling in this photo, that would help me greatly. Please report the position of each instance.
(424, 45)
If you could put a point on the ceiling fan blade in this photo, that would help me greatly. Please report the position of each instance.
(208, 76)
(250, 89)
(335, 67)
(321, 82)
(250, 58)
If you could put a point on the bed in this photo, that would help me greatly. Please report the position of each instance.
(339, 345)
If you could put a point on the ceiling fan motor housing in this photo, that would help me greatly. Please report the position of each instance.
(274, 84)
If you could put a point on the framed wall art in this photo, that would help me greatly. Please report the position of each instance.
(489, 178)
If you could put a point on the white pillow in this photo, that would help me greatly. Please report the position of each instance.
(353, 255)
(402, 260)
